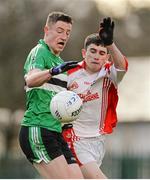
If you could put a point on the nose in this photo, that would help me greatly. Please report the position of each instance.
(64, 36)
(96, 59)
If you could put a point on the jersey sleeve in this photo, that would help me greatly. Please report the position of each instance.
(118, 74)
(35, 60)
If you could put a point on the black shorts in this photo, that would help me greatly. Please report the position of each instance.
(40, 144)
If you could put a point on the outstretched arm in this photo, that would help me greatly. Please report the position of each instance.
(117, 57)
(106, 34)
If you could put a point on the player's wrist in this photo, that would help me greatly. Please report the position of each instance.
(54, 71)
(50, 71)
(109, 43)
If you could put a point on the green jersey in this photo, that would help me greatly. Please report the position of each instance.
(38, 98)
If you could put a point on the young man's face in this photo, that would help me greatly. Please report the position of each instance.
(57, 35)
(95, 57)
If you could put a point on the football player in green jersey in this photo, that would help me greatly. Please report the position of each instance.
(45, 75)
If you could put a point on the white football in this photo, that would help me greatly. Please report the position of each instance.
(66, 106)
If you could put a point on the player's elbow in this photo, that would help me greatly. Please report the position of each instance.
(33, 83)
(29, 83)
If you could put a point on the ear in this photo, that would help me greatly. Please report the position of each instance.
(110, 58)
(107, 57)
(45, 30)
(83, 53)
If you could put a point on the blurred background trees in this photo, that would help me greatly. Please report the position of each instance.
(22, 25)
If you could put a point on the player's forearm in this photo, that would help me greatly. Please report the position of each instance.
(117, 56)
(38, 78)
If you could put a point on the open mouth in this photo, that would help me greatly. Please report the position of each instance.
(61, 43)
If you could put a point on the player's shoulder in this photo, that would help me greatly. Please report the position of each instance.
(80, 66)
(108, 65)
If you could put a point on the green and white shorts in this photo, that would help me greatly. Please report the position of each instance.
(40, 144)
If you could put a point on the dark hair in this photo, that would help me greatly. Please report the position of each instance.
(58, 16)
(93, 39)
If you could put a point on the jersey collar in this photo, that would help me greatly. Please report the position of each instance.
(103, 71)
(41, 41)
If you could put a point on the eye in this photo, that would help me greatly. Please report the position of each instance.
(93, 50)
(102, 52)
(68, 33)
(59, 30)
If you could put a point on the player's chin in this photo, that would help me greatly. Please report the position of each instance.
(58, 50)
(61, 47)
(96, 67)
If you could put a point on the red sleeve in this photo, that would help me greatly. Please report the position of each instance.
(126, 63)
(79, 66)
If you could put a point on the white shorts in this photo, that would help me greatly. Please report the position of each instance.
(90, 150)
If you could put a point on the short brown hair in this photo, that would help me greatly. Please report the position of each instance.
(93, 39)
(58, 16)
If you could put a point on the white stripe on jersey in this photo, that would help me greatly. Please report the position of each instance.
(48, 87)
(51, 87)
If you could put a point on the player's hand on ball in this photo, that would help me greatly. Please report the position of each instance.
(106, 31)
(63, 67)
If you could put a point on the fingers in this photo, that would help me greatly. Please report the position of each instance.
(112, 25)
(106, 31)
(70, 66)
(72, 62)
(63, 67)
(106, 23)
(73, 66)
(101, 25)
